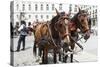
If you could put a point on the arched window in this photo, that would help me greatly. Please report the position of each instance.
(52, 6)
(41, 6)
(47, 17)
(23, 8)
(17, 16)
(17, 6)
(29, 6)
(47, 7)
(95, 10)
(75, 9)
(70, 7)
(29, 16)
(41, 16)
(36, 16)
(36, 7)
(60, 6)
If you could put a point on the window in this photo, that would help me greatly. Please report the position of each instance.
(96, 11)
(23, 7)
(17, 15)
(70, 8)
(47, 7)
(29, 16)
(96, 16)
(36, 7)
(93, 6)
(90, 8)
(90, 13)
(75, 9)
(29, 6)
(60, 6)
(41, 16)
(93, 11)
(36, 16)
(52, 6)
(47, 16)
(17, 6)
(41, 6)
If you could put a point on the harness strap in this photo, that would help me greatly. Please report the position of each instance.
(72, 26)
(77, 43)
(51, 35)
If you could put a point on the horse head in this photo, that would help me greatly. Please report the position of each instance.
(83, 23)
(60, 25)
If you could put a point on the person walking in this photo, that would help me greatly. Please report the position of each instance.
(29, 28)
(23, 33)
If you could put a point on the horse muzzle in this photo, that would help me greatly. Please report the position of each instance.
(87, 35)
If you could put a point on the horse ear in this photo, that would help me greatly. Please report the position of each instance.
(79, 9)
(69, 13)
(57, 11)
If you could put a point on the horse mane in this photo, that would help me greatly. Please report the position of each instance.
(55, 34)
(54, 19)
(89, 23)
(74, 18)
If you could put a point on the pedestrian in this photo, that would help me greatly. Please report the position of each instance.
(16, 28)
(23, 33)
(29, 28)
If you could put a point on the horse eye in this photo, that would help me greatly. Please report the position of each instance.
(60, 25)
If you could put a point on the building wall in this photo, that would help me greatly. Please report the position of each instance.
(26, 10)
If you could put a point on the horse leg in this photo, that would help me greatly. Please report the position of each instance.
(55, 56)
(65, 58)
(45, 56)
(71, 58)
(59, 56)
(40, 52)
(34, 48)
(72, 47)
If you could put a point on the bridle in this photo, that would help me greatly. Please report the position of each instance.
(65, 24)
(59, 20)
(48, 25)
(79, 25)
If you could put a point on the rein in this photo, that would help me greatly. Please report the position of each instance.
(77, 43)
(51, 35)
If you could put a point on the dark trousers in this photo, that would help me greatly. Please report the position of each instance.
(21, 39)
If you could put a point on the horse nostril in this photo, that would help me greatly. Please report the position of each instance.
(82, 20)
(86, 36)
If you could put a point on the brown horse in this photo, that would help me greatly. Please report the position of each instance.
(79, 21)
(52, 35)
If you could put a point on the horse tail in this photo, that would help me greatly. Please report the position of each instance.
(34, 49)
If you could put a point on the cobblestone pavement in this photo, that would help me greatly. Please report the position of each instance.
(26, 57)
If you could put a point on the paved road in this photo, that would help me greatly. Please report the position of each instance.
(26, 57)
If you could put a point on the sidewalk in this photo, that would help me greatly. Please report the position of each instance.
(26, 57)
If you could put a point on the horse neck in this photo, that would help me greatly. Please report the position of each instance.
(73, 21)
(54, 32)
